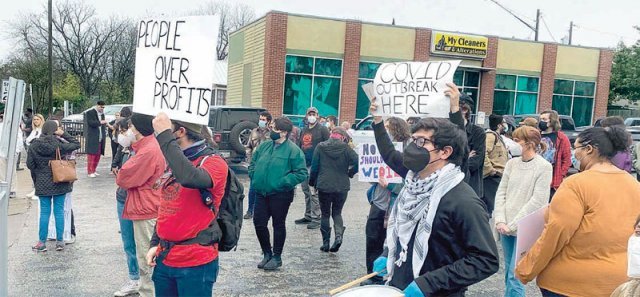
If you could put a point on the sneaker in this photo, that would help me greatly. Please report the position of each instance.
(59, 246)
(302, 221)
(130, 287)
(313, 225)
(274, 263)
(93, 175)
(39, 247)
(97, 174)
(248, 216)
(72, 240)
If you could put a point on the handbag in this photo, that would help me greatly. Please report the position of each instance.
(64, 171)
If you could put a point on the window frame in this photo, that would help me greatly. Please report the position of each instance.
(464, 84)
(313, 75)
(574, 96)
(358, 84)
(516, 91)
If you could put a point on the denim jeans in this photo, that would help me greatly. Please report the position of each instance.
(252, 200)
(513, 287)
(188, 281)
(126, 233)
(45, 213)
(276, 207)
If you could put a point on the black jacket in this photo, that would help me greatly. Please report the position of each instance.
(334, 162)
(43, 150)
(477, 142)
(92, 130)
(310, 138)
(462, 250)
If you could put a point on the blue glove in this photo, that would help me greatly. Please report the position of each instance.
(413, 290)
(380, 264)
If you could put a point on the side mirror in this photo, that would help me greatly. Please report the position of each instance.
(353, 126)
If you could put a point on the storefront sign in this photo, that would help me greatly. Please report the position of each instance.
(407, 89)
(175, 60)
(459, 45)
(5, 91)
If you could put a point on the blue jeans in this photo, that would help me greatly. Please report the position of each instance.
(45, 213)
(189, 281)
(126, 233)
(513, 287)
(252, 200)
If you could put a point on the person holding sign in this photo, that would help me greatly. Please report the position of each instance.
(334, 163)
(524, 188)
(439, 240)
(582, 249)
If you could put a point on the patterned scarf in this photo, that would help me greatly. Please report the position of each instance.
(416, 206)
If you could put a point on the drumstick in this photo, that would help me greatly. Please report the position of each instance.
(355, 282)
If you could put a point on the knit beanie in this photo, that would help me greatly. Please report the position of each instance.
(143, 123)
(49, 127)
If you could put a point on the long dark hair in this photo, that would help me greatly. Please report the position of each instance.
(608, 141)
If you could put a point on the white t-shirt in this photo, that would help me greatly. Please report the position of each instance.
(633, 257)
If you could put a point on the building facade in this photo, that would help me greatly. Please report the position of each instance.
(287, 63)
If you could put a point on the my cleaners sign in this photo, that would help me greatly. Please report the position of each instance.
(459, 45)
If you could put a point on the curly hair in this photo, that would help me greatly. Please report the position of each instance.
(399, 129)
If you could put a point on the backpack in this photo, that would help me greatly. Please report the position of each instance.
(228, 222)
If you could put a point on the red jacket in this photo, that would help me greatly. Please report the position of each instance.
(138, 176)
(563, 160)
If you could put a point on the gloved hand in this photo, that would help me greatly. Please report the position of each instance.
(413, 290)
(380, 264)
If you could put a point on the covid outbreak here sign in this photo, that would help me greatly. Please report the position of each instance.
(407, 89)
(175, 66)
(370, 164)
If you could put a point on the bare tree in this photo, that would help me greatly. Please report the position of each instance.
(232, 17)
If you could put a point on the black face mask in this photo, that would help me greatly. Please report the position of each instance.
(543, 126)
(415, 158)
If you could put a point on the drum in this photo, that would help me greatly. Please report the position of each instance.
(369, 291)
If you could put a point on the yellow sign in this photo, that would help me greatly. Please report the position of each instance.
(459, 45)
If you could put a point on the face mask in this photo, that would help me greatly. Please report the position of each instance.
(327, 125)
(262, 123)
(543, 126)
(126, 139)
(415, 158)
(275, 136)
(312, 119)
(581, 167)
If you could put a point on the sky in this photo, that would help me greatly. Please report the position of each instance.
(598, 23)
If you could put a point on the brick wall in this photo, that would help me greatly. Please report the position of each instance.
(488, 77)
(351, 66)
(547, 77)
(275, 50)
(602, 85)
(423, 45)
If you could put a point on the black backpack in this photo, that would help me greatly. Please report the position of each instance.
(228, 223)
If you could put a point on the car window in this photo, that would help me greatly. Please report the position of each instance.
(112, 109)
(212, 118)
(365, 125)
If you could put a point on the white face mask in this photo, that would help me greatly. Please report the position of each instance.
(126, 139)
(312, 119)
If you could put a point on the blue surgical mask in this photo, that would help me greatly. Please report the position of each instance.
(262, 123)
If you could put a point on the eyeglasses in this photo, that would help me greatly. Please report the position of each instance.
(420, 141)
(582, 146)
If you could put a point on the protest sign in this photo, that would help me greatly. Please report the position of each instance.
(406, 89)
(529, 230)
(175, 60)
(370, 163)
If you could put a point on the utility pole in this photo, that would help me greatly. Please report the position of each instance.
(570, 32)
(535, 28)
(537, 23)
(50, 54)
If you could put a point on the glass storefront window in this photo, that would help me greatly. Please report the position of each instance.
(574, 98)
(368, 70)
(528, 84)
(503, 102)
(366, 74)
(311, 81)
(522, 95)
(471, 78)
(468, 81)
(505, 82)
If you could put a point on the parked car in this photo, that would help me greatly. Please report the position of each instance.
(231, 128)
(632, 122)
(74, 123)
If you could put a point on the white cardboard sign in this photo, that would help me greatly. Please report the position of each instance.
(370, 163)
(175, 60)
(529, 230)
(407, 89)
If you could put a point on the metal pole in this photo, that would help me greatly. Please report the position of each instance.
(570, 32)
(31, 96)
(50, 53)
(537, 23)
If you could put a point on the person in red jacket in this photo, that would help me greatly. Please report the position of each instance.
(138, 176)
(558, 151)
(184, 256)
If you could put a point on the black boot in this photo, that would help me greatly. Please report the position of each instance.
(265, 260)
(338, 241)
(326, 238)
(274, 263)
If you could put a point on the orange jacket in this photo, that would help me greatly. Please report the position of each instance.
(583, 248)
(138, 176)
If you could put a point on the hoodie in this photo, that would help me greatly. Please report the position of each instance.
(333, 163)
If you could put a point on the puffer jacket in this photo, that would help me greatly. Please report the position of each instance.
(333, 163)
(43, 150)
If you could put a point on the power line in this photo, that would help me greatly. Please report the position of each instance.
(544, 22)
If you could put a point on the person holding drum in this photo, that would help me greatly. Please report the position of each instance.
(439, 240)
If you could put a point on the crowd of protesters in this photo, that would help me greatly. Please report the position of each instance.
(464, 189)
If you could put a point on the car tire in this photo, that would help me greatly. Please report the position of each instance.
(240, 134)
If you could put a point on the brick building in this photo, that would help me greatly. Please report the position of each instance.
(286, 63)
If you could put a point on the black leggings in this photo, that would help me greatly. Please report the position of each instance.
(275, 206)
(331, 205)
